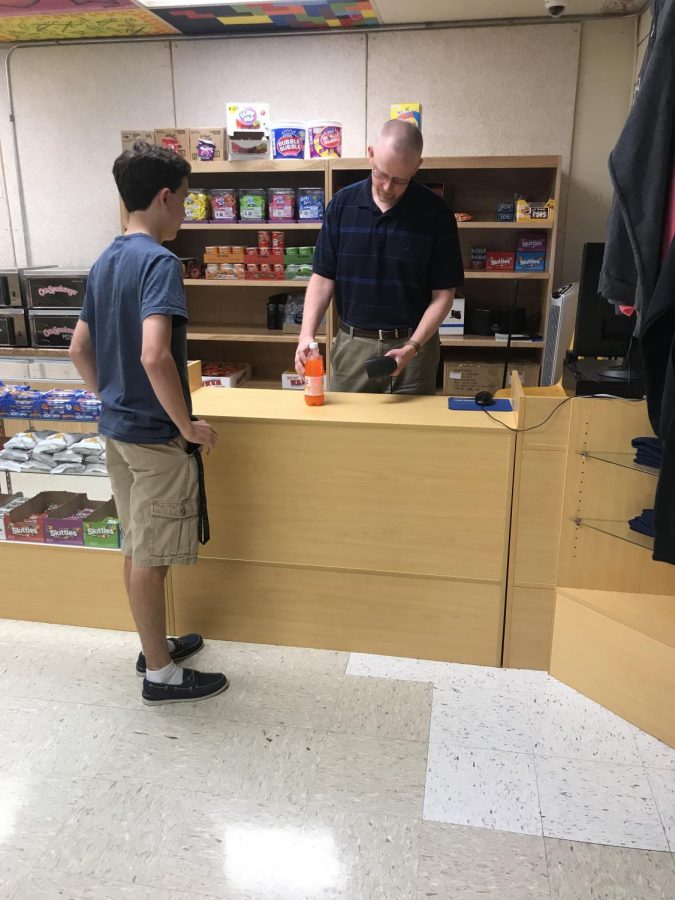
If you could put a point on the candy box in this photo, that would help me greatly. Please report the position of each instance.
(530, 261)
(207, 144)
(26, 522)
(252, 204)
(534, 240)
(7, 503)
(506, 211)
(225, 374)
(176, 139)
(409, 112)
(497, 260)
(281, 204)
(248, 130)
(102, 528)
(278, 240)
(224, 202)
(64, 524)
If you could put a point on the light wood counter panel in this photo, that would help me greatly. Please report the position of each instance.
(64, 585)
(406, 500)
(377, 523)
(619, 650)
(539, 484)
(338, 610)
(393, 410)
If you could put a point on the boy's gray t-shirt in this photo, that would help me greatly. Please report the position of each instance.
(135, 277)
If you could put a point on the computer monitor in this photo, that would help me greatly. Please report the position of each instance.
(599, 331)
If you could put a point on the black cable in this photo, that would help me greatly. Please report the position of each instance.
(556, 408)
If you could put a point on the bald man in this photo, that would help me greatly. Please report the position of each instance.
(389, 253)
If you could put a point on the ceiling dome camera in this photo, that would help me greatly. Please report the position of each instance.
(555, 8)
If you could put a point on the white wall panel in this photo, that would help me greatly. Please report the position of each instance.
(483, 91)
(302, 78)
(71, 104)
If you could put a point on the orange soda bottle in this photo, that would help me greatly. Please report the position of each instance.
(314, 376)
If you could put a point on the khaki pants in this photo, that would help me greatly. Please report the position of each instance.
(156, 490)
(348, 366)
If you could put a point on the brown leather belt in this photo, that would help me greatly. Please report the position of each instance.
(381, 335)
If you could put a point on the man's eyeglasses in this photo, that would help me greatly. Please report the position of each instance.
(379, 175)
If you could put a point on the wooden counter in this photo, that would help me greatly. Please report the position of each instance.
(388, 537)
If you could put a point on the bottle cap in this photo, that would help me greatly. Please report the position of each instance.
(314, 345)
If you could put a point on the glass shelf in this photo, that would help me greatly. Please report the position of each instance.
(617, 529)
(625, 460)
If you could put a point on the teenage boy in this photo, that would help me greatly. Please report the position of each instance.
(130, 348)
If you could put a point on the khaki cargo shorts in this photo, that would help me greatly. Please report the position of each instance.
(156, 489)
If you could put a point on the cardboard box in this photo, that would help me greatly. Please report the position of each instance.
(176, 139)
(531, 241)
(248, 130)
(226, 375)
(291, 381)
(454, 322)
(7, 503)
(528, 211)
(129, 138)
(207, 144)
(102, 528)
(17, 524)
(62, 526)
(530, 261)
(464, 378)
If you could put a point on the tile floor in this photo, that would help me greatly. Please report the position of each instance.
(318, 775)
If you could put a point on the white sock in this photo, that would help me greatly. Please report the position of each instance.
(171, 674)
(170, 645)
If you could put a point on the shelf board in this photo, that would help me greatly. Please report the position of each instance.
(507, 276)
(492, 224)
(250, 226)
(34, 352)
(199, 167)
(617, 529)
(58, 547)
(242, 333)
(460, 162)
(472, 340)
(240, 283)
(624, 460)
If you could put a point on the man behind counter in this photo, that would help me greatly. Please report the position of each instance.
(389, 253)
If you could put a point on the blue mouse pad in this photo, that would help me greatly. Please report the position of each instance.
(469, 404)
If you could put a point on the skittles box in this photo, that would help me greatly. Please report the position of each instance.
(102, 527)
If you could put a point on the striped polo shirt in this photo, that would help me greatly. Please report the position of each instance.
(385, 265)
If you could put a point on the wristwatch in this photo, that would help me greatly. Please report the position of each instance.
(415, 345)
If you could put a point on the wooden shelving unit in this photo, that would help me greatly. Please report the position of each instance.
(228, 319)
(250, 226)
(270, 284)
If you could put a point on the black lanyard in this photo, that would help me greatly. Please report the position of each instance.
(203, 525)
